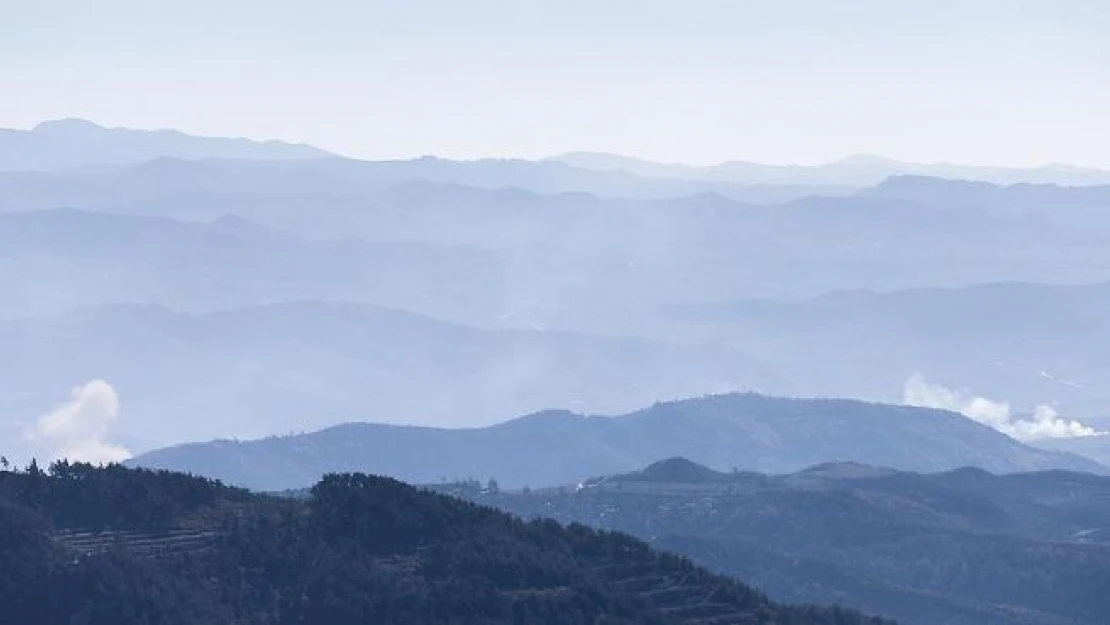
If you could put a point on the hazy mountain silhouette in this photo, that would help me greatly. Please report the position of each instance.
(512, 259)
(55, 260)
(1025, 344)
(286, 367)
(749, 432)
(341, 176)
(70, 143)
(579, 259)
(860, 170)
(1050, 199)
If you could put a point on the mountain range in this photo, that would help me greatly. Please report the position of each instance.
(860, 170)
(76, 143)
(575, 259)
(663, 294)
(742, 431)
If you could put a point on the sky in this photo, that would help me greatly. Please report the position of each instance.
(1002, 82)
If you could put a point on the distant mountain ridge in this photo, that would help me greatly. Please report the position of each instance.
(71, 143)
(860, 170)
(1014, 197)
(58, 259)
(745, 431)
(963, 337)
(74, 143)
(299, 365)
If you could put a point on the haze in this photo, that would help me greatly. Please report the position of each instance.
(815, 295)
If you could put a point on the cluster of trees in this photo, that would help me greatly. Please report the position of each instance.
(359, 549)
(86, 496)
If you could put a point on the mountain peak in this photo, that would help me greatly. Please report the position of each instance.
(678, 469)
(74, 143)
(67, 125)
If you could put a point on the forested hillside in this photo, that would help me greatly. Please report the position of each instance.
(962, 547)
(117, 546)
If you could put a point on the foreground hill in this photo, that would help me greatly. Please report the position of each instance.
(962, 548)
(122, 547)
(750, 432)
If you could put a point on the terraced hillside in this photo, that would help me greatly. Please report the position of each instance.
(119, 546)
(137, 542)
(684, 597)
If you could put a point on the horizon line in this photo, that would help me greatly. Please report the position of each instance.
(862, 155)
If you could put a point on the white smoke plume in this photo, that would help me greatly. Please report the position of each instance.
(78, 429)
(1045, 422)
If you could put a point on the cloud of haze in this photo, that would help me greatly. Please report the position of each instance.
(78, 429)
(1044, 423)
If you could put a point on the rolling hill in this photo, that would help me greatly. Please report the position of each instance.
(963, 547)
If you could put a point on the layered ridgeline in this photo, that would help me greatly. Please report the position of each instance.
(69, 143)
(745, 431)
(298, 366)
(192, 368)
(122, 547)
(701, 247)
(961, 548)
(858, 170)
(687, 269)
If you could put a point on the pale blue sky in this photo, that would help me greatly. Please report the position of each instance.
(975, 81)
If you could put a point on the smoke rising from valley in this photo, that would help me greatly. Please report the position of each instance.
(78, 429)
(1045, 422)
